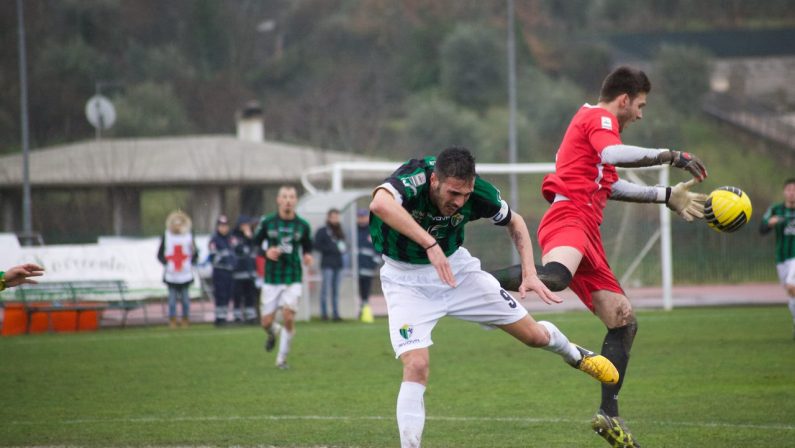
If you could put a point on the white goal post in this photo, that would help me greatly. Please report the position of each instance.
(334, 175)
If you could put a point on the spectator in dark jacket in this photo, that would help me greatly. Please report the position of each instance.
(222, 258)
(330, 242)
(245, 291)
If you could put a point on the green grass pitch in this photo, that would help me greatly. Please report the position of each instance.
(717, 377)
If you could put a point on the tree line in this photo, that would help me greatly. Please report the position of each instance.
(368, 76)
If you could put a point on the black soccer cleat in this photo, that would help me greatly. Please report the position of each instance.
(613, 430)
(270, 342)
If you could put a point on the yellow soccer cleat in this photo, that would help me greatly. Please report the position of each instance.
(613, 430)
(597, 366)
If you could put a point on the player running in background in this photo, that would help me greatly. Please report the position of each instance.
(284, 236)
(417, 223)
(585, 178)
(781, 218)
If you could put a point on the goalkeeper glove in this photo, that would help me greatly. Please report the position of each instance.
(688, 205)
(687, 161)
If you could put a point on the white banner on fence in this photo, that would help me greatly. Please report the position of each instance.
(132, 260)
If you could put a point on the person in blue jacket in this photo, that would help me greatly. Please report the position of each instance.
(222, 257)
(245, 292)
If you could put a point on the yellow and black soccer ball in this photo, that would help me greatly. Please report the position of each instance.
(727, 209)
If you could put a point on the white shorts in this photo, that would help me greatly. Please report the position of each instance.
(273, 297)
(416, 299)
(786, 272)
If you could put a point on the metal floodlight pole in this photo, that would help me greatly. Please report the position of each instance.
(27, 226)
(512, 157)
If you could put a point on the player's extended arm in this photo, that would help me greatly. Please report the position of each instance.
(627, 156)
(306, 247)
(678, 198)
(528, 279)
(21, 274)
(769, 221)
(395, 216)
(260, 233)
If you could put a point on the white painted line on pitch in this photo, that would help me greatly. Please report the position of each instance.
(73, 339)
(528, 420)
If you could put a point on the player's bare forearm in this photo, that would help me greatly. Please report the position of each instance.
(273, 253)
(21, 274)
(529, 281)
(520, 236)
(395, 216)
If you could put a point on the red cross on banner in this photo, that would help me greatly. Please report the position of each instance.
(178, 257)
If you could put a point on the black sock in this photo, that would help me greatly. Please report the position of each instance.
(616, 348)
(554, 275)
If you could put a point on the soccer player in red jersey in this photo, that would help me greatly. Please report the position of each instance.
(585, 178)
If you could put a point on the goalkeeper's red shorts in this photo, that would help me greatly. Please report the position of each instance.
(564, 225)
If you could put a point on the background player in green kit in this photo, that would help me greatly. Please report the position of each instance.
(285, 236)
(781, 218)
(417, 222)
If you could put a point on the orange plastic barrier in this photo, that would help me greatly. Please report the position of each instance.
(41, 317)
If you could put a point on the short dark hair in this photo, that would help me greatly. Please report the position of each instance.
(455, 162)
(624, 80)
(791, 180)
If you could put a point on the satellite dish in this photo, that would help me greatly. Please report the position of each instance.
(100, 112)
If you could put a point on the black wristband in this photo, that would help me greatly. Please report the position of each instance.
(667, 194)
(435, 243)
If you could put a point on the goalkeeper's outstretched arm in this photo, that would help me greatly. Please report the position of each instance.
(631, 192)
(679, 198)
(627, 156)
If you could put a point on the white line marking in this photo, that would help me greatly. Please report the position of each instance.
(105, 337)
(526, 420)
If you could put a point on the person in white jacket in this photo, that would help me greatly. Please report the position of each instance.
(179, 255)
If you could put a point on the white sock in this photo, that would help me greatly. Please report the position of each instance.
(559, 343)
(410, 414)
(792, 309)
(285, 338)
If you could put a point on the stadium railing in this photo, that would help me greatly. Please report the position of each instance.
(112, 293)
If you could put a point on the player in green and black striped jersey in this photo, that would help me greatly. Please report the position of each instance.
(411, 183)
(290, 237)
(417, 222)
(287, 240)
(781, 219)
